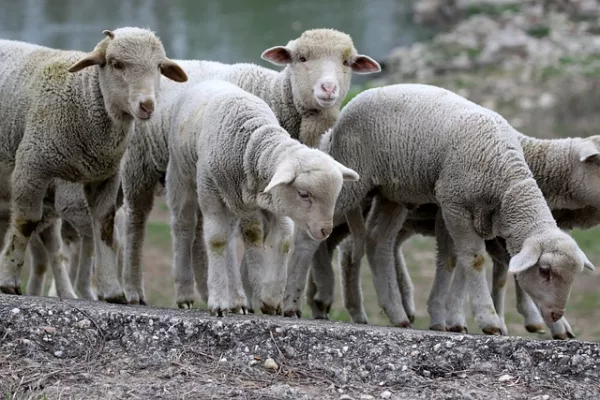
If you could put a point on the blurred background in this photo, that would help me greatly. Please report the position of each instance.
(535, 62)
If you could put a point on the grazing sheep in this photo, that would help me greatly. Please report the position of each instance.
(418, 144)
(305, 96)
(73, 126)
(229, 156)
(565, 170)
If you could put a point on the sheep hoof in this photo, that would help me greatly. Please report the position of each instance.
(11, 290)
(571, 335)
(411, 318)
(458, 329)
(217, 312)
(292, 313)
(250, 310)
(118, 299)
(185, 304)
(437, 327)
(491, 330)
(535, 328)
(560, 336)
(403, 324)
(269, 309)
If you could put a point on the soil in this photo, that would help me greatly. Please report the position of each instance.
(53, 348)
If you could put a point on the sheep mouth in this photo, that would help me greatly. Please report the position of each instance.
(326, 101)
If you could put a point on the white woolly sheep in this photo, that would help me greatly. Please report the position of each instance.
(305, 96)
(563, 168)
(75, 127)
(412, 155)
(229, 156)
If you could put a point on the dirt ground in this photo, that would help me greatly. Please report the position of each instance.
(52, 348)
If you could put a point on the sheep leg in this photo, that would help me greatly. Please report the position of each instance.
(351, 287)
(298, 265)
(101, 197)
(199, 260)
(247, 283)
(407, 290)
(71, 241)
(139, 178)
(383, 224)
(351, 252)
(38, 266)
(50, 237)
(445, 263)
(266, 242)
(83, 281)
(470, 248)
(225, 289)
(28, 190)
(183, 206)
(321, 290)
(496, 248)
(321, 281)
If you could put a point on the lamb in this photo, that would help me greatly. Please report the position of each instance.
(378, 134)
(69, 121)
(229, 156)
(564, 169)
(305, 96)
(555, 164)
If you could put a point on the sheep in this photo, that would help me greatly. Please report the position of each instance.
(467, 147)
(69, 121)
(229, 156)
(305, 96)
(554, 163)
(564, 169)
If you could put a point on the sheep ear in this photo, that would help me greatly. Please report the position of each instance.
(285, 173)
(96, 57)
(526, 258)
(173, 71)
(365, 65)
(586, 262)
(347, 173)
(587, 151)
(108, 33)
(278, 55)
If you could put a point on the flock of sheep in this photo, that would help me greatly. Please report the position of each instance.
(265, 176)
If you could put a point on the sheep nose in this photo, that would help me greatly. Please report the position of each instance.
(328, 87)
(556, 315)
(147, 106)
(326, 231)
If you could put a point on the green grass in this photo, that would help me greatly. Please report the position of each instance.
(491, 9)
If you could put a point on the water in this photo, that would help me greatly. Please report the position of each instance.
(221, 30)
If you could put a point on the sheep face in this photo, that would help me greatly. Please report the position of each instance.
(306, 188)
(546, 267)
(131, 61)
(321, 62)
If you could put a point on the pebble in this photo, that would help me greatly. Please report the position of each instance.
(58, 353)
(366, 397)
(50, 329)
(385, 394)
(84, 323)
(270, 364)
(505, 378)
(15, 310)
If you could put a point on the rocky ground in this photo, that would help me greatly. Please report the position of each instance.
(51, 348)
(537, 65)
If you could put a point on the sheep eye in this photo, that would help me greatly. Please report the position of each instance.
(303, 195)
(545, 273)
(117, 65)
(346, 63)
(302, 59)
